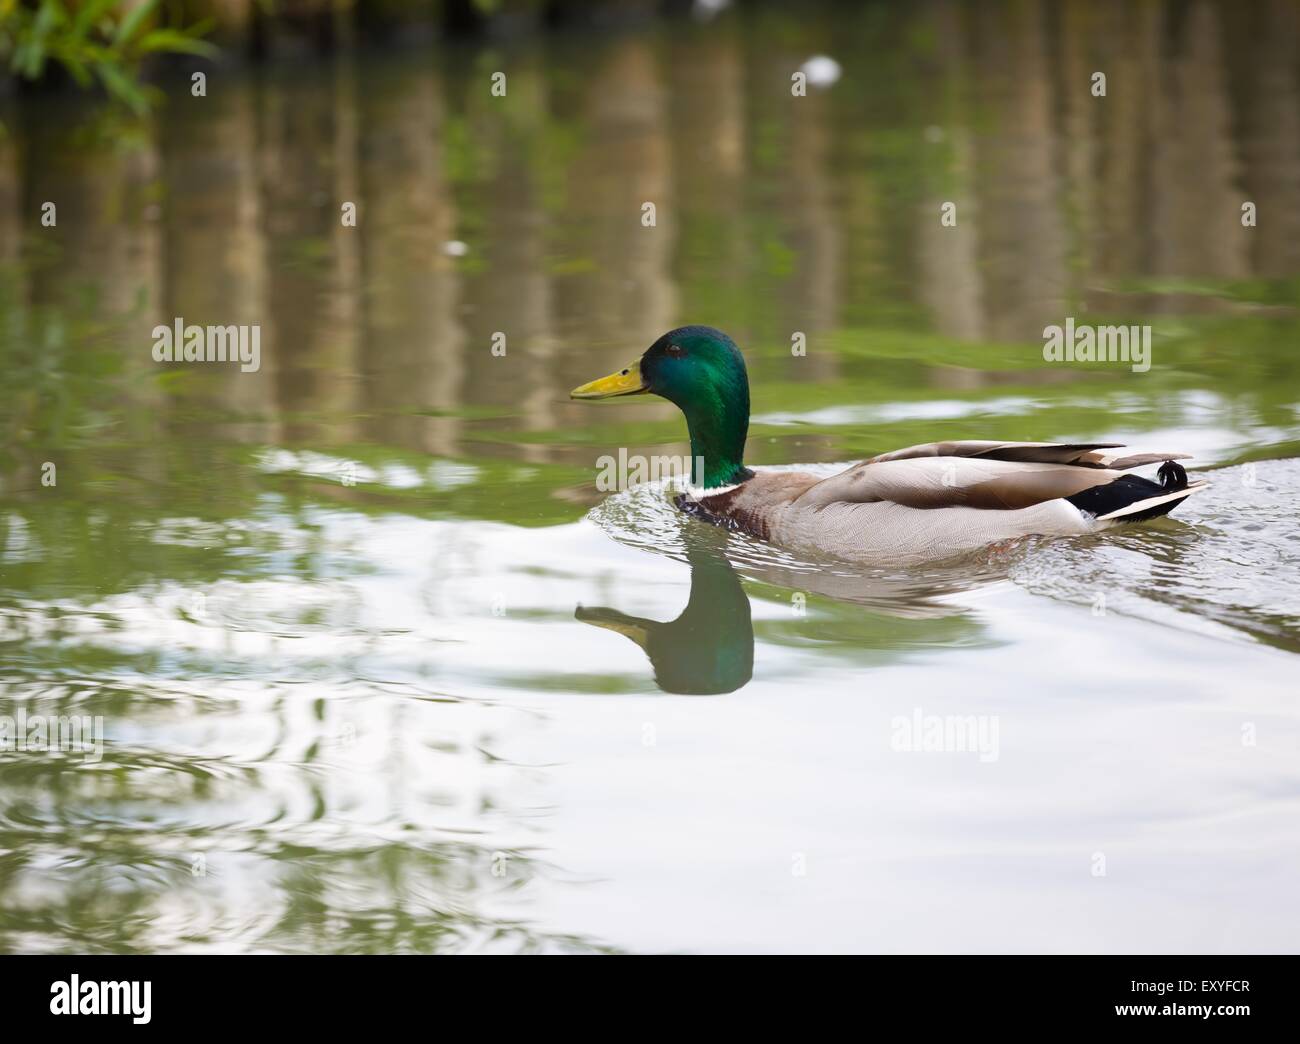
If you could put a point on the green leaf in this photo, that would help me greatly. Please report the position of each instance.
(48, 16)
(129, 25)
(32, 60)
(71, 61)
(89, 15)
(171, 41)
(123, 87)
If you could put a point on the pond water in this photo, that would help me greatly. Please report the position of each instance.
(378, 666)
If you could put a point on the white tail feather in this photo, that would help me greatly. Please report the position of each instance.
(1150, 502)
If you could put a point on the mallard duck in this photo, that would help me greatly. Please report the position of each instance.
(923, 502)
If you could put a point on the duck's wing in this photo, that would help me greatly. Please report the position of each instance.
(1077, 454)
(1004, 476)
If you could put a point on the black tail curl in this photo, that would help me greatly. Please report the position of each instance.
(1172, 476)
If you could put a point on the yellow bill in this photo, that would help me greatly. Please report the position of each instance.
(626, 382)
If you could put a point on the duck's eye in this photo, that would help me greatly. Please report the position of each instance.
(674, 349)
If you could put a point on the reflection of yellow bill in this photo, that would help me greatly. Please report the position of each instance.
(611, 619)
(625, 382)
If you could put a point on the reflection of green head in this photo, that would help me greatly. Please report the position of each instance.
(707, 650)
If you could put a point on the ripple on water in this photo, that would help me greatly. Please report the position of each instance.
(256, 820)
(1228, 563)
(274, 774)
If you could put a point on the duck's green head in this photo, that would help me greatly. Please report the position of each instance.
(701, 371)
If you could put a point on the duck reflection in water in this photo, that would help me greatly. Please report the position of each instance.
(709, 648)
